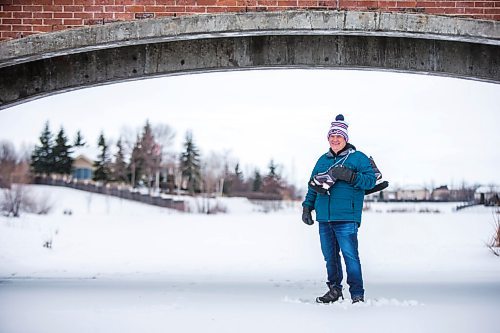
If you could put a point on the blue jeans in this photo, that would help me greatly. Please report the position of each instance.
(336, 237)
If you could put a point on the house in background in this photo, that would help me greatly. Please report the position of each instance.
(413, 193)
(488, 195)
(83, 168)
(441, 193)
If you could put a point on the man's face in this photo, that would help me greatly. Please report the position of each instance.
(337, 142)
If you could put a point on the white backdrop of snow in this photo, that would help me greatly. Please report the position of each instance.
(117, 265)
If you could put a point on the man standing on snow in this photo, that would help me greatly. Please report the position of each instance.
(336, 192)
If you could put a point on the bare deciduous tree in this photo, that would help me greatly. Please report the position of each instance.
(8, 162)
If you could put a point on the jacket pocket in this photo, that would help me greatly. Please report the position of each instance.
(341, 208)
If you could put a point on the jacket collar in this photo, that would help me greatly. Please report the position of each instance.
(349, 148)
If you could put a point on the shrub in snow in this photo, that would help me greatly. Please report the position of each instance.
(12, 200)
(495, 241)
(18, 198)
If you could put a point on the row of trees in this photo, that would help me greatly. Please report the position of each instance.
(147, 160)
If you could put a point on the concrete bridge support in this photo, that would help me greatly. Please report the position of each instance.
(338, 44)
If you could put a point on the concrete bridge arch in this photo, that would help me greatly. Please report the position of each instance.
(51, 63)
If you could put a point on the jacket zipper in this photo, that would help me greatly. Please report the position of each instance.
(330, 196)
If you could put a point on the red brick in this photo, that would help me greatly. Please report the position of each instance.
(406, 4)
(124, 16)
(145, 2)
(473, 10)
(186, 3)
(83, 15)
(247, 3)
(492, 10)
(196, 9)
(93, 9)
(52, 8)
(22, 27)
(73, 8)
(369, 4)
(426, 3)
(5, 14)
(22, 14)
(93, 22)
(5, 27)
(481, 4)
(347, 4)
(206, 2)
(220, 9)
(40, 2)
(307, 3)
(464, 4)
(52, 21)
(42, 28)
(73, 22)
(134, 9)
(32, 21)
(62, 2)
(114, 9)
(11, 21)
(454, 10)
(175, 9)
(84, 2)
(108, 16)
(226, 3)
(32, 8)
(269, 2)
(63, 15)
(104, 2)
(386, 4)
(43, 15)
(11, 34)
(154, 9)
(287, 3)
(11, 8)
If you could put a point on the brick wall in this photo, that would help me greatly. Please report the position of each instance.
(20, 18)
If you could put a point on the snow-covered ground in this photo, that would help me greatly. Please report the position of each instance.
(121, 266)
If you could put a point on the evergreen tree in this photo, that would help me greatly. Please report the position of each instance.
(102, 165)
(79, 140)
(61, 154)
(119, 172)
(190, 164)
(146, 157)
(42, 157)
(257, 181)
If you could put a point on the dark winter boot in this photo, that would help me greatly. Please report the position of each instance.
(331, 296)
(357, 299)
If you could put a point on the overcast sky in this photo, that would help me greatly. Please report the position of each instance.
(420, 129)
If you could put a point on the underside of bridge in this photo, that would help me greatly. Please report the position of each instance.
(46, 64)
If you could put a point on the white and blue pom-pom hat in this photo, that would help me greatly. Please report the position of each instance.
(339, 127)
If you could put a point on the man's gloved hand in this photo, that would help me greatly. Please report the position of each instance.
(306, 216)
(343, 173)
(317, 186)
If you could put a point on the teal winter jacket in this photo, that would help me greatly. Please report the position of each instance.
(344, 203)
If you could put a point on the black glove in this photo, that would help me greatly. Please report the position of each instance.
(306, 216)
(343, 173)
